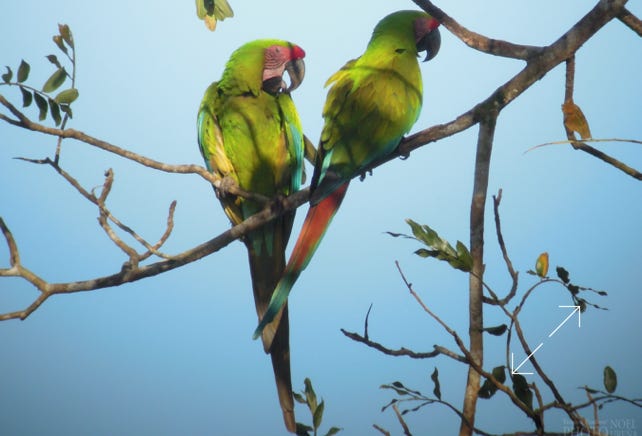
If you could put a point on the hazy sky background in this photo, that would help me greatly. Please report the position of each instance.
(173, 354)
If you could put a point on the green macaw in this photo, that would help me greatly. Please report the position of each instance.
(373, 101)
(212, 10)
(249, 132)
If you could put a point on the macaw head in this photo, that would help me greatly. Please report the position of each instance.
(279, 58)
(408, 30)
(260, 66)
(427, 36)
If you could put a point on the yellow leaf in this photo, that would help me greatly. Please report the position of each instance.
(541, 266)
(574, 119)
(212, 10)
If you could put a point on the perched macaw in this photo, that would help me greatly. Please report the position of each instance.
(212, 10)
(373, 101)
(249, 131)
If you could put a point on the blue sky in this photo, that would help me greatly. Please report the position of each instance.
(173, 354)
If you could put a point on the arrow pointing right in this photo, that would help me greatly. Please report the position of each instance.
(579, 319)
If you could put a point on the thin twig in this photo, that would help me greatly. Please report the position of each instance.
(381, 430)
(398, 352)
(406, 430)
(14, 254)
(509, 265)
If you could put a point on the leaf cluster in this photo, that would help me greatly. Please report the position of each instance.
(45, 101)
(410, 395)
(309, 398)
(458, 257)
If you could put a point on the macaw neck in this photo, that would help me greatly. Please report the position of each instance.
(242, 76)
(395, 55)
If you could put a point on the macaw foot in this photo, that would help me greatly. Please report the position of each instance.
(278, 203)
(227, 186)
(363, 174)
(403, 156)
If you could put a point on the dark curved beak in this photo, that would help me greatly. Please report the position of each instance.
(430, 43)
(296, 71)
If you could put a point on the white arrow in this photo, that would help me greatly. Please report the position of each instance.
(579, 319)
(513, 370)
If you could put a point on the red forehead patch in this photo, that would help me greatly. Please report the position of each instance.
(425, 25)
(297, 52)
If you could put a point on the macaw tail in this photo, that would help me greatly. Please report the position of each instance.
(266, 267)
(316, 223)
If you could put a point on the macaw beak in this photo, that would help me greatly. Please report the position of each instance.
(430, 43)
(296, 71)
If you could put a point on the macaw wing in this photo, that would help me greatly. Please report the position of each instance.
(212, 147)
(352, 133)
(294, 140)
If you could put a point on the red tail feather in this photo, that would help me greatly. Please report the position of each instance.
(314, 227)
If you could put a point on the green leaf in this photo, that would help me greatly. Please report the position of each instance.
(422, 252)
(591, 391)
(333, 431)
(522, 391)
(298, 397)
(6, 77)
(562, 274)
(23, 71)
(65, 32)
(41, 102)
(610, 379)
(488, 388)
(310, 396)
(66, 109)
(499, 373)
(55, 80)
(54, 109)
(67, 96)
(459, 258)
(435, 378)
(303, 430)
(496, 331)
(57, 39)
(54, 60)
(573, 289)
(464, 256)
(317, 418)
(27, 97)
(399, 388)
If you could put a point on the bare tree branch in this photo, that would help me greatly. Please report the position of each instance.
(475, 40)
(633, 22)
(128, 274)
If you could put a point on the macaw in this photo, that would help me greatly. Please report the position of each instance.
(212, 10)
(373, 101)
(249, 132)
